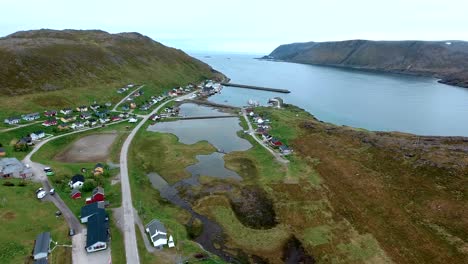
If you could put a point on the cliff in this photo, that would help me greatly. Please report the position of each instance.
(446, 60)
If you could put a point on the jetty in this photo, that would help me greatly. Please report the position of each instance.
(256, 87)
(209, 103)
(207, 117)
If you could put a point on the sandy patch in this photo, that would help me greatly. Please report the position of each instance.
(92, 148)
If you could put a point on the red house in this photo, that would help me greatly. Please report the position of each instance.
(50, 113)
(50, 123)
(98, 196)
(275, 143)
(75, 194)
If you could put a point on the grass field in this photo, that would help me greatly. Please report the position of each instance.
(162, 153)
(23, 217)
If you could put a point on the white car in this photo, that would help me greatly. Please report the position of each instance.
(40, 193)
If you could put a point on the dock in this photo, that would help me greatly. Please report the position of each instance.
(256, 87)
(207, 117)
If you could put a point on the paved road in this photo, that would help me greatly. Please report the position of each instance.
(131, 248)
(125, 98)
(278, 157)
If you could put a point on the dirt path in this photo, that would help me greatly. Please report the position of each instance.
(89, 149)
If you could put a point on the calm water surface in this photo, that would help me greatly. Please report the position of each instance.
(221, 133)
(374, 101)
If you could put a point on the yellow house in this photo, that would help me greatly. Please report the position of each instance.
(98, 169)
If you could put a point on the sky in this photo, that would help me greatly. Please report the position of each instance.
(245, 26)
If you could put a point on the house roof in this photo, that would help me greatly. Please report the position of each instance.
(77, 177)
(11, 165)
(75, 191)
(284, 148)
(155, 226)
(97, 228)
(42, 243)
(91, 209)
(97, 190)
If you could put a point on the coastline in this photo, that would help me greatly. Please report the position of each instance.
(447, 80)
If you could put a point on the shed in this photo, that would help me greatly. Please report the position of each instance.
(75, 194)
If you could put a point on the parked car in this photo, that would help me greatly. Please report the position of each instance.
(71, 232)
(40, 193)
(48, 171)
(58, 213)
(52, 191)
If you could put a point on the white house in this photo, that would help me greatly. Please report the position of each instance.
(66, 111)
(31, 117)
(157, 233)
(76, 181)
(12, 120)
(77, 125)
(132, 120)
(37, 135)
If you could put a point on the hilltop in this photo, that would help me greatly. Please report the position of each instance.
(446, 60)
(48, 60)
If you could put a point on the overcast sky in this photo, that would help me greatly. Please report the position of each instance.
(253, 26)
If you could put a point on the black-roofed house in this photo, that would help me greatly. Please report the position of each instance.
(76, 181)
(91, 209)
(42, 246)
(98, 232)
(157, 233)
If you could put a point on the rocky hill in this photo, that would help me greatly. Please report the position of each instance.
(447, 60)
(44, 60)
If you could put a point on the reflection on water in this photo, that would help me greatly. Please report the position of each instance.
(195, 110)
(212, 165)
(221, 133)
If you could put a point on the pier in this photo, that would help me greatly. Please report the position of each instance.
(256, 87)
(209, 103)
(207, 117)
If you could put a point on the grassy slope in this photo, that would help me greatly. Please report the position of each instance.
(347, 202)
(70, 68)
(23, 217)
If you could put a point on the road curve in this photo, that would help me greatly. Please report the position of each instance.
(130, 241)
